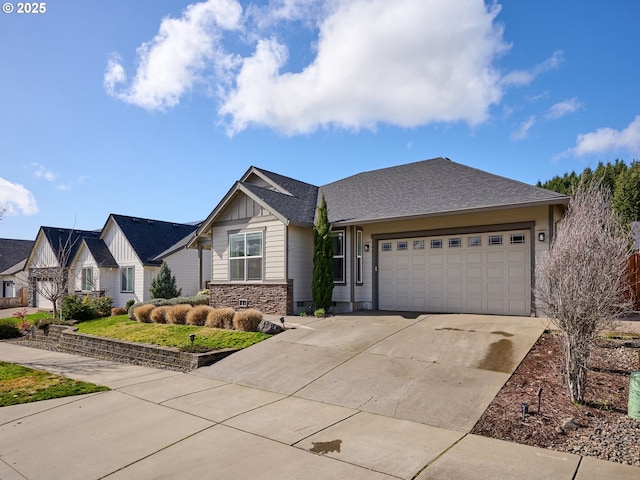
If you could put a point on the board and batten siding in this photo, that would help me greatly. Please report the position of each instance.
(125, 256)
(84, 259)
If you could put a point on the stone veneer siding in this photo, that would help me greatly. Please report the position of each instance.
(269, 298)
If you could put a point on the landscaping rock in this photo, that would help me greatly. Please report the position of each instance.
(270, 328)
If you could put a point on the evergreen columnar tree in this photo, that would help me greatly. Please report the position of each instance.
(581, 282)
(626, 196)
(322, 283)
(164, 285)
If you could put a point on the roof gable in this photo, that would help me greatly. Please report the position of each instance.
(64, 242)
(149, 238)
(430, 187)
(100, 252)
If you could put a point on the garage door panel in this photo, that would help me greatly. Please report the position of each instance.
(466, 274)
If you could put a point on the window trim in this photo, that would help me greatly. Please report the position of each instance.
(245, 257)
(125, 288)
(340, 234)
(359, 257)
(455, 242)
(435, 243)
(86, 274)
(495, 240)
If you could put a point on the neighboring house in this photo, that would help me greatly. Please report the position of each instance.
(430, 236)
(13, 255)
(47, 267)
(122, 262)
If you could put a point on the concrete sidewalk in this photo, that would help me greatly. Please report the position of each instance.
(300, 422)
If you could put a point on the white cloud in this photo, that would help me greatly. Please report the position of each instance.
(525, 77)
(406, 62)
(16, 197)
(563, 108)
(610, 140)
(523, 130)
(42, 172)
(171, 63)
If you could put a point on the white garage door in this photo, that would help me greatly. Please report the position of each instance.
(41, 289)
(472, 273)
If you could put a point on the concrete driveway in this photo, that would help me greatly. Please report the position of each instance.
(439, 370)
(357, 396)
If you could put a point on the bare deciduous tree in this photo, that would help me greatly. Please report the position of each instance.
(582, 281)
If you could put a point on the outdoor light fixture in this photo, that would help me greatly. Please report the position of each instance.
(282, 321)
(366, 247)
(525, 409)
(541, 236)
(192, 337)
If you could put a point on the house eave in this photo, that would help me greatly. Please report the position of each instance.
(488, 208)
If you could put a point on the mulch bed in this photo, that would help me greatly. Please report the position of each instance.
(600, 428)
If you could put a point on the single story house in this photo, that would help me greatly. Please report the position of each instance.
(429, 236)
(13, 255)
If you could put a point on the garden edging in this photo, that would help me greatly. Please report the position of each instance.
(66, 338)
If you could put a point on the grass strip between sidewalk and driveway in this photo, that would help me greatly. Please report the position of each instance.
(206, 339)
(20, 384)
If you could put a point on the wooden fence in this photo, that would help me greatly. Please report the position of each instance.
(634, 279)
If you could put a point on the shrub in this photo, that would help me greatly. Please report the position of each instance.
(247, 320)
(164, 284)
(161, 302)
(319, 313)
(118, 311)
(81, 308)
(198, 315)
(178, 313)
(159, 314)
(129, 304)
(8, 329)
(220, 318)
(143, 313)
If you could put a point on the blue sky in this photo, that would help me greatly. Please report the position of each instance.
(154, 109)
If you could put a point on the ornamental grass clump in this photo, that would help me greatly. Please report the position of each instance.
(143, 313)
(247, 320)
(177, 314)
(198, 315)
(220, 318)
(159, 314)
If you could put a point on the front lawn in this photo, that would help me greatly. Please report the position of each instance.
(20, 384)
(169, 335)
(30, 318)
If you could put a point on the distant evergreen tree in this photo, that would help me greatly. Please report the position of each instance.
(626, 196)
(322, 283)
(164, 285)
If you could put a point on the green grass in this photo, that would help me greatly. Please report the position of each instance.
(31, 318)
(20, 384)
(169, 335)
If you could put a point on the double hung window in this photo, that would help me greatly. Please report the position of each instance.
(245, 256)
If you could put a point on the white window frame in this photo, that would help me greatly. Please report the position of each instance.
(86, 279)
(517, 239)
(127, 279)
(256, 257)
(359, 257)
(339, 234)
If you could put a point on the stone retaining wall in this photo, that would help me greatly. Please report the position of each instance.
(66, 338)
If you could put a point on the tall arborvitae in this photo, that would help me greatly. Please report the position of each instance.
(164, 285)
(322, 284)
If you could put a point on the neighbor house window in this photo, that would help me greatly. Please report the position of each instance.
(87, 279)
(245, 257)
(358, 256)
(338, 256)
(126, 279)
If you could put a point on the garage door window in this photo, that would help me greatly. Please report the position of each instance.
(386, 246)
(436, 243)
(495, 239)
(403, 246)
(517, 238)
(418, 244)
(474, 241)
(455, 242)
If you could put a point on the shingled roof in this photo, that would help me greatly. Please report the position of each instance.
(430, 187)
(100, 253)
(149, 238)
(13, 252)
(66, 241)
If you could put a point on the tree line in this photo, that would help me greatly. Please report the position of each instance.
(622, 181)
